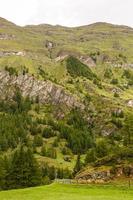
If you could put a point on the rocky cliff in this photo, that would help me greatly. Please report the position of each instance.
(46, 91)
(102, 174)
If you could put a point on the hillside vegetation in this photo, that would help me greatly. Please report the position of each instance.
(66, 104)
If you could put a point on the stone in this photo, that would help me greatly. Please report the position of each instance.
(46, 91)
(49, 44)
(130, 103)
(11, 53)
(87, 60)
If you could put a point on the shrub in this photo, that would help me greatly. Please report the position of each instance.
(108, 73)
(76, 68)
(66, 151)
(114, 81)
(48, 132)
(38, 141)
(11, 70)
(102, 148)
(90, 156)
(116, 95)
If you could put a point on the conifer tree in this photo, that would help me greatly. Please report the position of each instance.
(128, 130)
(24, 171)
(78, 165)
(2, 174)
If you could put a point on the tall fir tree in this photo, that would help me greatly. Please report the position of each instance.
(78, 165)
(24, 170)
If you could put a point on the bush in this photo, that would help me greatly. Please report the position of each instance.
(38, 141)
(43, 151)
(46, 180)
(117, 122)
(102, 148)
(114, 81)
(66, 151)
(90, 156)
(48, 132)
(116, 95)
(51, 152)
(108, 73)
(55, 143)
(98, 83)
(11, 70)
(76, 68)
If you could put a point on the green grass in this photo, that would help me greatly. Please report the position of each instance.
(69, 192)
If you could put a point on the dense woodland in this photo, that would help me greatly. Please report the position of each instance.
(23, 133)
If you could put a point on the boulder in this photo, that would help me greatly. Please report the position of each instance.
(130, 103)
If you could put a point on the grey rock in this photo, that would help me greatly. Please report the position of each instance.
(130, 103)
(46, 91)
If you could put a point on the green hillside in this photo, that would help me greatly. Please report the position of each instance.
(66, 103)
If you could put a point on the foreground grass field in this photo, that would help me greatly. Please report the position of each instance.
(69, 192)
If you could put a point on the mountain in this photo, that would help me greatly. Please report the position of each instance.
(67, 94)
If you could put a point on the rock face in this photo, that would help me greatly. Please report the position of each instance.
(49, 44)
(11, 53)
(6, 37)
(130, 103)
(87, 60)
(99, 175)
(46, 91)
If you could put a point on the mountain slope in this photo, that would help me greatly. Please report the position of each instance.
(66, 92)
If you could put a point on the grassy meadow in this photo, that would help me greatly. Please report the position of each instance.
(69, 192)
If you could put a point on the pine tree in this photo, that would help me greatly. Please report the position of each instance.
(128, 130)
(24, 171)
(2, 174)
(51, 173)
(90, 156)
(43, 151)
(78, 165)
(38, 141)
(60, 173)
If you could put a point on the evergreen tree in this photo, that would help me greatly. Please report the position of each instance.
(24, 171)
(128, 130)
(38, 141)
(102, 148)
(2, 174)
(43, 151)
(51, 173)
(51, 152)
(60, 173)
(90, 156)
(78, 165)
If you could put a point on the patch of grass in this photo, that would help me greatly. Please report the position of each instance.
(69, 192)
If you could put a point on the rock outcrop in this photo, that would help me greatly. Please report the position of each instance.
(46, 91)
(87, 60)
(6, 36)
(102, 174)
(49, 44)
(130, 103)
(11, 53)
